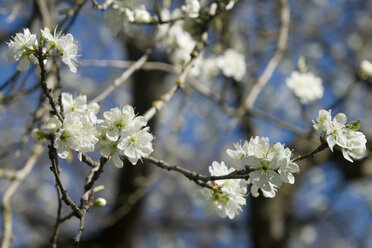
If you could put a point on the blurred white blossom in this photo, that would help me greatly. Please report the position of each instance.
(191, 8)
(142, 15)
(366, 67)
(305, 86)
(118, 17)
(232, 64)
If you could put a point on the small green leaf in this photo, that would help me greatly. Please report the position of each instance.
(354, 125)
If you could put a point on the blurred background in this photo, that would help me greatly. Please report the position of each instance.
(330, 205)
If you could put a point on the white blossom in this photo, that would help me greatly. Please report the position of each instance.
(286, 165)
(191, 8)
(80, 105)
(305, 86)
(53, 124)
(54, 38)
(177, 41)
(21, 49)
(76, 133)
(355, 145)
(117, 121)
(69, 51)
(337, 132)
(366, 67)
(323, 121)
(137, 144)
(205, 69)
(227, 197)
(124, 134)
(142, 15)
(119, 17)
(265, 162)
(107, 147)
(232, 64)
(240, 151)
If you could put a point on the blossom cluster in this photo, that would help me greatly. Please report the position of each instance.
(177, 41)
(120, 133)
(305, 86)
(336, 132)
(269, 166)
(24, 46)
(122, 13)
(191, 8)
(180, 44)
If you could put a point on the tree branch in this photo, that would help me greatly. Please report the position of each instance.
(9, 192)
(274, 61)
(123, 77)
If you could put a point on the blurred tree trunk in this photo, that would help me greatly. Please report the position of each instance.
(122, 232)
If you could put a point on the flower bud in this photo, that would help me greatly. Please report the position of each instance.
(100, 202)
(366, 68)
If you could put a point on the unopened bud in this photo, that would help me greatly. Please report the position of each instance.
(366, 68)
(100, 202)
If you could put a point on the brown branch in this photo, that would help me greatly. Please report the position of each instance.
(43, 84)
(81, 229)
(320, 148)
(89, 161)
(94, 175)
(65, 197)
(196, 177)
(86, 197)
(239, 174)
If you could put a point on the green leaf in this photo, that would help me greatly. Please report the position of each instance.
(354, 125)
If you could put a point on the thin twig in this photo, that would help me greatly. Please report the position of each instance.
(94, 175)
(89, 161)
(320, 148)
(239, 174)
(86, 197)
(164, 99)
(9, 174)
(65, 197)
(149, 65)
(44, 86)
(274, 61)
(58, 220)
(123, 77)
(196, 177)
(9, 192)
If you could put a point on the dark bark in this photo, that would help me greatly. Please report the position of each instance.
(121, 233)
